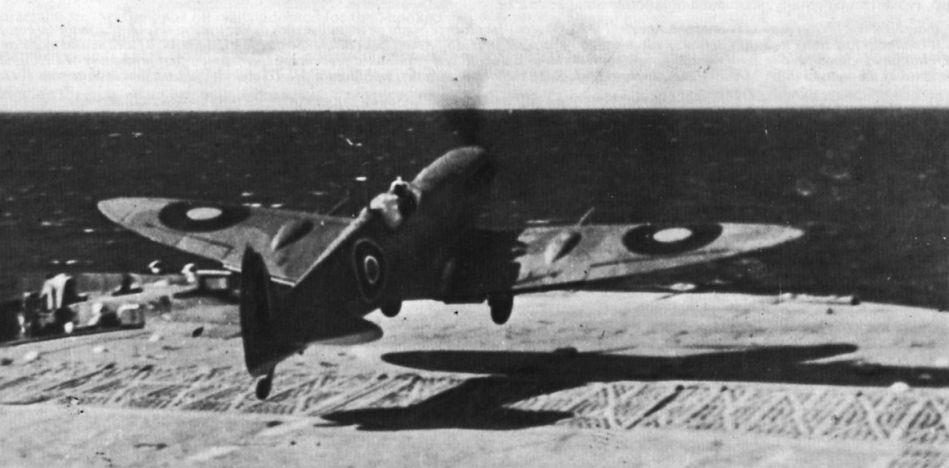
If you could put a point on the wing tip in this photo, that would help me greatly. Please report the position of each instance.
(116, 209)
(789, 234)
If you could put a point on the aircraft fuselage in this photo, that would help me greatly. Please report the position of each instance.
(423, 248)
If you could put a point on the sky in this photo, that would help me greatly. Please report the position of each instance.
(231, 55)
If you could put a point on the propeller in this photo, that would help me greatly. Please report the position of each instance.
(460, 106)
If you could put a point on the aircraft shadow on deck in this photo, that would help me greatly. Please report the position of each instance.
(479, 403)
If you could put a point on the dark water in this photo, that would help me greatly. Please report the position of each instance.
(871, 187)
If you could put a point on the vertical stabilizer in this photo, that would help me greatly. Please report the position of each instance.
(258, 307)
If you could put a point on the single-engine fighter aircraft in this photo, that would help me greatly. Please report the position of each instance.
(309, 278)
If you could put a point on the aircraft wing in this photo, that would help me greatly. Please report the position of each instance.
(539, 258)
(289, 241)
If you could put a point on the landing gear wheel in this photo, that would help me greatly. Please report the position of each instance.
(501, 306)
(264, 385)
(391, 309)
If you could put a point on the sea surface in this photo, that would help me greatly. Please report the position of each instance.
(870, 187)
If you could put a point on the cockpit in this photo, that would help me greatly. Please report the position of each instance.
(396, 205)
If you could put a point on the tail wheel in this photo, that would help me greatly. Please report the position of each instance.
(264, 385)
(391, 309)
(501, 306)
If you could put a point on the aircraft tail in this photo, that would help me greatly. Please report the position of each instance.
(274, 328)
(258, 305)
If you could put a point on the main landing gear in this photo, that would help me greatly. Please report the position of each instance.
(391, 309)
(501, 306)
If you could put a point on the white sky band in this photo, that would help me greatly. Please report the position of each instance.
(300, 55)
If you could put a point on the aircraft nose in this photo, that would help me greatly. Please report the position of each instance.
(458, 163)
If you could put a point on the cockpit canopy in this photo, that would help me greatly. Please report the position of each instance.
(398, 204)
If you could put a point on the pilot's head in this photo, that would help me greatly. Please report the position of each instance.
(386, 205)
(398, 185)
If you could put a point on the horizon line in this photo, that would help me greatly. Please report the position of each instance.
(484, 109)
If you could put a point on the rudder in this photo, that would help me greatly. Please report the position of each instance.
(258, 307)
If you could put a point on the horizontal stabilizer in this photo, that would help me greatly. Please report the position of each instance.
(350, 332)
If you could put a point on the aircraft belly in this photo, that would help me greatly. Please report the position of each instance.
(423, 251)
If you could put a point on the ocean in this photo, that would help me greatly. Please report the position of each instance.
(869, 186)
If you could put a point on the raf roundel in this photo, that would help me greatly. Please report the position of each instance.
(199, 217)
(203, 213)
(370, 268)
(650, 239)
(370, 265)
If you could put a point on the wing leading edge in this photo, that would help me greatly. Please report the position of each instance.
(540, 258)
